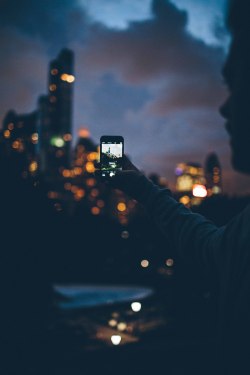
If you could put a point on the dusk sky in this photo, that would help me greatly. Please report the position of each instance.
(148, 70)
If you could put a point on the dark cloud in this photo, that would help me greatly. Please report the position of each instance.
(23, 71)
(55, 21)
(189, 92)
(31, 34)
(153, 48)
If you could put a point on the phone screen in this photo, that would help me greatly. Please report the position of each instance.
(111, 155)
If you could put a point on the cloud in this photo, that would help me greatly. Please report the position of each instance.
(180, 74)
(152, 82)
(152, 48)
(31, 34)
(177, 117)
(55, 21)
(23, 71)
(117, 13)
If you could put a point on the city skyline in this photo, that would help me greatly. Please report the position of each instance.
(150, 81)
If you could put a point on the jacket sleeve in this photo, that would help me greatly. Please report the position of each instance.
(196, 239)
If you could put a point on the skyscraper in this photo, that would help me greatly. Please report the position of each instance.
(190, 183)
(213, 174)
(19, 140)
(55, 115)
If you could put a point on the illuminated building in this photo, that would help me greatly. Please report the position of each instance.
(55, 116)
(190, 183)
(85, 186)
(19, 140)
(213, 174)
(189, 174)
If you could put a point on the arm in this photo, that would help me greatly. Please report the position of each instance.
(195, 238)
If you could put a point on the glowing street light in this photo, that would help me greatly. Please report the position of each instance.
(67, 78)
(57, 142)
(136, 306)
(199, 191)
(121, 326)
(112, 322)
(144, 263)
(169, 262)
(116, 339)
(121, 207)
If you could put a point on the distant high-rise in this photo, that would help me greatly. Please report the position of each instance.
(55, 115)
(188, 174)
(19, 140)
(60, 92)
(190, 183)
(213, 174)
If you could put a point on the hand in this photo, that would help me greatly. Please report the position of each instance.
(130, 180)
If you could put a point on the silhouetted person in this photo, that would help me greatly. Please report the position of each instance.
(223, 252)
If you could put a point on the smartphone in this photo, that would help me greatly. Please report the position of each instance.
(111, 154)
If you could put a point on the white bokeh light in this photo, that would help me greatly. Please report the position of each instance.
(136, 306)
(116, 339)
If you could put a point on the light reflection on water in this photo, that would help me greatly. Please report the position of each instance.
(81, 296)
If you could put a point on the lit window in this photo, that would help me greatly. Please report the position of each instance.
(95, 210)
(71, 78)
(16, 145)
(52, 195)
(67, 78)
(6, 134)
(54, 72)
(90, 168)
(90, 182)
(80, 193)
(74, 189)
(121, 207)
(66, 173)
(34, 138)
(83, 133)
(216, 179)
(185, 200)
(94, 192)
(52, 87)
(67, 137)
(67, 186)
(92, 156)
(33, 167)
(216, 190)
(77, 171)
(112, 323)
(144, 263)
